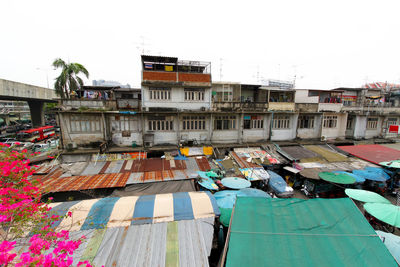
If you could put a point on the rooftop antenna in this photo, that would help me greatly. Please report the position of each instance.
(220, 69)
(141, 45)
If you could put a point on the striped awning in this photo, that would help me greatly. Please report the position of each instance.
(134, 210)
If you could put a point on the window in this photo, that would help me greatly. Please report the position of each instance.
(330, 121)
(224, 96)
(253, 122)
(160, 93)
(225, 122)
(391, 121)
(313, 93)
(194, 94)
(350, 121)
(281, 122)
(161, 123)
(124, 123)
(194, 123)
(306, 122)
(372, 123)
(85, 124)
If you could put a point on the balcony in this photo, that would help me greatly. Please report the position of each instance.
(330, 107)
(128, 103)
(88, 104)
(281, 106)
(240, 106)
(381, 108)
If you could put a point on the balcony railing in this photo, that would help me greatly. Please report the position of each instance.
(281, 106)
(333, 107)
(89, 103)
(245, 106)
(385, 108)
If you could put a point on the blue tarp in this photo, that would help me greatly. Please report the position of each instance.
(277, 184)
(370, 175)
(383, 172)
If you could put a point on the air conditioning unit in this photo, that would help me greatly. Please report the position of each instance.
(71, 146)
(148, 144)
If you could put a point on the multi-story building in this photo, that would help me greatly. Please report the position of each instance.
(178, 103)
(320, 114)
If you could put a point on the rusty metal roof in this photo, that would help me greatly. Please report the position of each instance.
(203, 164)
(139, 165)
(159, 176)
(75, 183)
(242, 162)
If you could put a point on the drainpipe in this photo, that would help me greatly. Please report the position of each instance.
(321, 125)
(143, 124)
(270, 125)
(178, 132)
(240, 128)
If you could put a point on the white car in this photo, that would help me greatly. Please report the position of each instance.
(39, 147)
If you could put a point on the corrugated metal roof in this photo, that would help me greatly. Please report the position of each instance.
(182, 243)
(51, 183)
(134, 210)
(327, 153)
(186, 242)
(242, 162)
(372, 153)
(159, 176)
(297, 232)
(393, 146)
(139, 165)
(203, 164)
(272, 150)
(299, 152)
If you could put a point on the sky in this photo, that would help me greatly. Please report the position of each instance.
(317, 44)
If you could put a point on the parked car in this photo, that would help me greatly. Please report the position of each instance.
(8, 140)
(40, 147)
(14, 127)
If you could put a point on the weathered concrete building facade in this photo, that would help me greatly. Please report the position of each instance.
(178, 103)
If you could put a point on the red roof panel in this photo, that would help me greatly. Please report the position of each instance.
(372, 153)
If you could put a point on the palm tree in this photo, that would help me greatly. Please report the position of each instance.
(68, 80)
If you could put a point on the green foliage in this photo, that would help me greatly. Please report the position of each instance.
(68, 80)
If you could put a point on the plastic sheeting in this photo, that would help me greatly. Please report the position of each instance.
(134, 210)
(278, 185)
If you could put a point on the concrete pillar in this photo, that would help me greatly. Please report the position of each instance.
(37, 113)
(240, 128)
(6, 118)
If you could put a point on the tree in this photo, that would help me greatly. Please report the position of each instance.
(68, 80)
(27, 222)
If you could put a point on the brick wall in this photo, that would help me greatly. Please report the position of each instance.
(159, 76)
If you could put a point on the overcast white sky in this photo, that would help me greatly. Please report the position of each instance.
(325, 44)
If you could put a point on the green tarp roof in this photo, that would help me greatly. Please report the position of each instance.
(296, 232)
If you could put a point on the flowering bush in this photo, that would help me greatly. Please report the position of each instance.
(25, 221)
